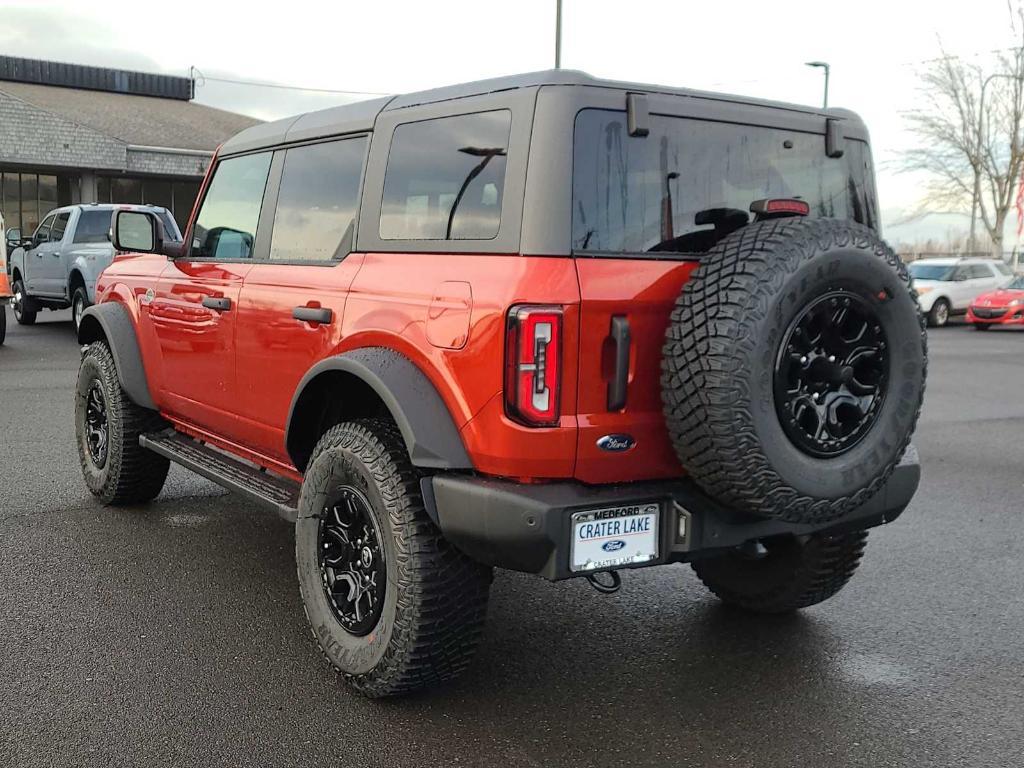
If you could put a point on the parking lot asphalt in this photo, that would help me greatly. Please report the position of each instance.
(173, 634)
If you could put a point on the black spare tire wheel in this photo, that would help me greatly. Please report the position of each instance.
(794, 368)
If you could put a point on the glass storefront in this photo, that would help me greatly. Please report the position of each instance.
(26, 197)
(176, 196)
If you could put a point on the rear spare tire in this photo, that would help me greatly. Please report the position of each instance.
(794, 367)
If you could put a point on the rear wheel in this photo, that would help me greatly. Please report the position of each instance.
(79, 303)
(939, 314)
(117, 470)
(783, 574)
(24, 307)
(393, 606)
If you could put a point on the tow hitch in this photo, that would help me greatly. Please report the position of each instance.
(605, 587)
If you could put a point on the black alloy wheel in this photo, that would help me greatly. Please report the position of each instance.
(831, 374)
(352, 565)
(97, 435)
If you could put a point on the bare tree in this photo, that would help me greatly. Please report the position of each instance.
(969, 129)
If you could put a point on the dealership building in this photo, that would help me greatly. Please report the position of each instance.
(77, 134)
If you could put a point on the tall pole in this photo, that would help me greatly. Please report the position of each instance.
(823, 65)
(558, 34)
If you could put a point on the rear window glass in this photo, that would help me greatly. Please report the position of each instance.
(689, 183)
(93, 227)
(445, 178)
(1003, 269)
(316, 207)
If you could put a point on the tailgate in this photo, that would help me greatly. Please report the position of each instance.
(638, 295)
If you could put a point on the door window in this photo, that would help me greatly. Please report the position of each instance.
(42, 234)
(226, 227)
(316, 207)
(93, 227)
(60, 224)
(445, 178)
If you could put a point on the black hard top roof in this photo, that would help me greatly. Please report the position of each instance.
(361, 116)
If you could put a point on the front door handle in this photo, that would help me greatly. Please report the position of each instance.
(320, 315)
(220, 305)
(57, 254)
(620, 379)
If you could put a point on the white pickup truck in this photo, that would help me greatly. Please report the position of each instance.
(57, 266)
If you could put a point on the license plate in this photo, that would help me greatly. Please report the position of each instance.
(613, 537)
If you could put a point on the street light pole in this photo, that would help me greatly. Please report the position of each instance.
(824, 65)
(558, 34)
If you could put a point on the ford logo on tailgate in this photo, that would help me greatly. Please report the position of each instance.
(616, 443)
(613, 546)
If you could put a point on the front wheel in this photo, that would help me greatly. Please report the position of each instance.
(393, 606)
(24, 308)
(107, 425)
(784, 573)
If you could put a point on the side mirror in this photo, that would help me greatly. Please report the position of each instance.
(137, 232)
(13, 237)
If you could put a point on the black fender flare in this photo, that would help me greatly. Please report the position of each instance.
(430, 433)
(112, 322)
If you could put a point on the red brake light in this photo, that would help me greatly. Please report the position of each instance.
(533, 372)
(781, 205)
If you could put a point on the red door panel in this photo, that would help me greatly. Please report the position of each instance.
(643, 292)
(275, 350)
(196, 341)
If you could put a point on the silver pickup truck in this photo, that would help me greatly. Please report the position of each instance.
(57, 267)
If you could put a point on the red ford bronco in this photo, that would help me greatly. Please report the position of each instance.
(547, 323)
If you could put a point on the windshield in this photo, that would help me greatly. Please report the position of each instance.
(689, 182)
(921, 271)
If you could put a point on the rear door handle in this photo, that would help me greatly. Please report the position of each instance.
(620, 379)
(321, 315)
(220, 305)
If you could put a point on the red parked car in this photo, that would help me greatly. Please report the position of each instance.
(547, 323)
(1004, 306)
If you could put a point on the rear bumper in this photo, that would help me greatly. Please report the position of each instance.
(527, 527)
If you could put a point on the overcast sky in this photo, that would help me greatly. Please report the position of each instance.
(742, 46)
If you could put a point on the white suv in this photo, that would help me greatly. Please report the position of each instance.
(948, 286)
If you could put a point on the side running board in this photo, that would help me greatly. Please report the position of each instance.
(248, 480)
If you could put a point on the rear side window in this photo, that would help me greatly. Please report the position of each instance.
(226, 226)
(316, 207)
(93, 227)
(445, 178)
(689, 183)
(980, 271)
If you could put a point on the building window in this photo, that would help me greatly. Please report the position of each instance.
(25, 198)
(178, 197)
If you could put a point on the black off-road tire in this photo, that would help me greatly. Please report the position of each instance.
(79, 303)
(435, 598)
(3, 322)
(938, 316)
(793, 573)
(25, 309)
(719, 366)
(129, 474)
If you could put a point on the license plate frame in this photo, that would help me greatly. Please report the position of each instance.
(648, 538)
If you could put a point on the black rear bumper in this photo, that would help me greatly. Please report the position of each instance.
(527, 527)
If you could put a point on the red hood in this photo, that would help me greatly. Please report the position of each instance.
(999, 298)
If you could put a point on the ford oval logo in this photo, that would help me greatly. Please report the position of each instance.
(613, 546)
(616, 443)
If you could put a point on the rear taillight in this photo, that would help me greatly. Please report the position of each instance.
(533, 365)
